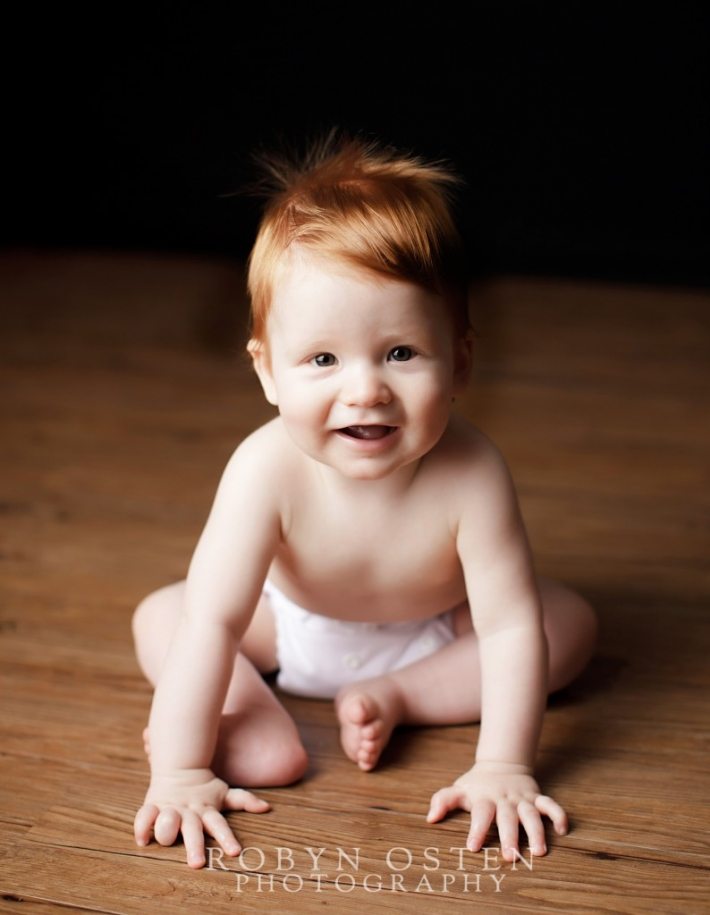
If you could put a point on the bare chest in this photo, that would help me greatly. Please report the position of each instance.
(400, 563)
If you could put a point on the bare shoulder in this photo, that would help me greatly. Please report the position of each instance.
(258, 468)
(264, 454)
(472, 471)
(466, 454)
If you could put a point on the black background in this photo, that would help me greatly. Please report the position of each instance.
(581, 129)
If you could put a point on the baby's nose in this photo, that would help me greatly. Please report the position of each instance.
(365, 387)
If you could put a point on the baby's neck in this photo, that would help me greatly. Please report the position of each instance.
(391, 487)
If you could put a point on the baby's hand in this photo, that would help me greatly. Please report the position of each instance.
(507, 793)
(189, 801)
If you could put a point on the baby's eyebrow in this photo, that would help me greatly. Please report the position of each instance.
(314, 346)
(410, 334)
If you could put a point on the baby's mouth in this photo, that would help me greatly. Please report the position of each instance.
(368, 432)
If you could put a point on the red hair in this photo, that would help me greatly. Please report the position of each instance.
(369, 207)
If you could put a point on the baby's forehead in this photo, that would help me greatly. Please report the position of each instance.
(299, 267)
(315, 296)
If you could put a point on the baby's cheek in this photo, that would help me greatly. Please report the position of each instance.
(298, 410)
(303, 418)
(436, 403)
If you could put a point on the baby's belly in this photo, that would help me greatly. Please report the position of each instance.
(399, 600)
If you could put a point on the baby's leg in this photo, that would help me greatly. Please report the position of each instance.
(258, 743)
(430, 691)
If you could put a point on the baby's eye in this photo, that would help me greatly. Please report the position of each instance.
(323, 360)
(401, 353)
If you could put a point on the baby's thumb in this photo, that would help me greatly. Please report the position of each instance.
(239, 799)
(439, 805)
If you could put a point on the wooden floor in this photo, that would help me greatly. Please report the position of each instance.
(124, 392)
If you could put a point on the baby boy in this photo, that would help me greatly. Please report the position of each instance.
(367, 543)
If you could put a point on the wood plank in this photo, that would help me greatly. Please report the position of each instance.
(126, 385)
(137, 882)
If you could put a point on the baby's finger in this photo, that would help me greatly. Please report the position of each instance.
(167, 826)
(482, 815)
(239, 799)
(507, 822)
(444, 800)
(553, 810)
(143, 823)
(216, 825)
(532, 824)
(194, 838)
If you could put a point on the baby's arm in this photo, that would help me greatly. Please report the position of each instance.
(507, 617)
(223, 585)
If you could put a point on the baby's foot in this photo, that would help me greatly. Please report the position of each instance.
(146, 742)
(368, 712)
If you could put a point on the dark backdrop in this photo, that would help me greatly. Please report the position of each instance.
(581, 129)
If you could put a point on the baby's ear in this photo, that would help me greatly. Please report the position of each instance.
(262, 366)
(463, 360)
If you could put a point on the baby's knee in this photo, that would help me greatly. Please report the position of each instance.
(152, 625)
(282, 757)
(568, 617)
(139, 620)
(573, 642)
(286, 764)
(278, 762)
(143, 620)
(157, 613)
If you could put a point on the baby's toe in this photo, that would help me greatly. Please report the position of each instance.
(374, 730)
(360, 708)
(369, 751)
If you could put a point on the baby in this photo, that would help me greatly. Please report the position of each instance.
(367, 542)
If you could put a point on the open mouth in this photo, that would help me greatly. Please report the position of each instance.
(368, 432)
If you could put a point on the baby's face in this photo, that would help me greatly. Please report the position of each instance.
(362, 368)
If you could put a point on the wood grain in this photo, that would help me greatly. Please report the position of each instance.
(124, 392)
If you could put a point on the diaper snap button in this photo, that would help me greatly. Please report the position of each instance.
(352, 661)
